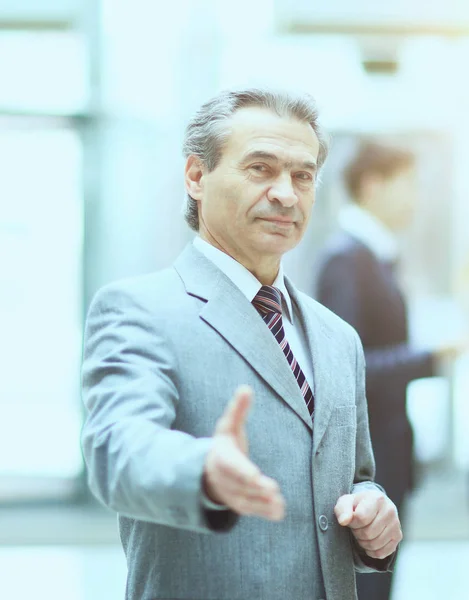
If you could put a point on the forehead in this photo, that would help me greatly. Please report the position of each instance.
(257, 128)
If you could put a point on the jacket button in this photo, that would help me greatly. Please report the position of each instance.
(323, 523)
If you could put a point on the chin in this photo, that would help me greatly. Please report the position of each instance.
(278, 244)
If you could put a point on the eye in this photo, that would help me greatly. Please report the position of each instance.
(259, 168)
(304, 176)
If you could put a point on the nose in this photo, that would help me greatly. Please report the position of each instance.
(282, 191)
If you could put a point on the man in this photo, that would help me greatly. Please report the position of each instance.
(357, 281)
(214, 504)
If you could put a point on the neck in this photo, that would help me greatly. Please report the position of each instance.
(264, 268)
(369, 206)
(264, 273)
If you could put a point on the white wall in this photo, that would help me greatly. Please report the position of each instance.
(157, 67)
(40, 10)
(409, 12)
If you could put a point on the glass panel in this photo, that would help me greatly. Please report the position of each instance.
(42, 71)
(40, 302)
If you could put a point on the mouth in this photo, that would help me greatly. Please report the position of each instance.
(282, 221)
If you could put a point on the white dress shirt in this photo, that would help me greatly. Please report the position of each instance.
(366, 228)
(249, 285)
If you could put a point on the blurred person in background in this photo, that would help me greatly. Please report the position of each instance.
(357, 281)
(211, 504)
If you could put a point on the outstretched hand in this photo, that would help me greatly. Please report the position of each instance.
(230, 478)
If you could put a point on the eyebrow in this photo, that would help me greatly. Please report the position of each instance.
(262, 154)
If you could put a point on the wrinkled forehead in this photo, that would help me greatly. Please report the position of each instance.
(257, 129)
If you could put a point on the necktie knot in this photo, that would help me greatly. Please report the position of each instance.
(268, 300)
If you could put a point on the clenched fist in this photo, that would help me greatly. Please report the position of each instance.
(373, 519)
(230, 478)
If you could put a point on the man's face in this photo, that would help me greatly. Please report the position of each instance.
(256, 203)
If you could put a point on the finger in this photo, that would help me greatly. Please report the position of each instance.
(267, 485)
(344, 509)
(385, 520)
(260, 486)
(235, 415)
(231, 464)
(235, 483)
(229, 473)
(250, 492)
(368, 537)
(249, 499)
(232, 489)
(392, 532)
(232, 484)
(384, 552)
(367, 510)
(273, 510)
(242, 404)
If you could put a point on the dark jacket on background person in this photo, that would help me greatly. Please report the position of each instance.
(363, 290)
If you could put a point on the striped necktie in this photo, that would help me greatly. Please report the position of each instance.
(268, 303)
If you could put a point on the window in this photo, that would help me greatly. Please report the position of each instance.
(42, 72)
(41, 232)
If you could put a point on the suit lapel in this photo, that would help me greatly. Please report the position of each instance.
(325, 362)
(229, 312)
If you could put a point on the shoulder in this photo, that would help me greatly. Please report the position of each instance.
(150, 292)
(343, 261)
(345, 248)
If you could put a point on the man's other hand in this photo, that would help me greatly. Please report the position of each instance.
(373, 519)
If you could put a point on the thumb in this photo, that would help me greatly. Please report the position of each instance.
(233, 419)
(344, 509)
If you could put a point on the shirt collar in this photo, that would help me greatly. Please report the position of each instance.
(243, 279)
(370, 231)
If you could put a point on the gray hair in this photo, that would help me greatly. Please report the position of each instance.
(207, 132)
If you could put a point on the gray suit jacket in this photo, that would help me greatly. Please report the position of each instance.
(163, 355)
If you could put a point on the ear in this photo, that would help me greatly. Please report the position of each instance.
(193, 177)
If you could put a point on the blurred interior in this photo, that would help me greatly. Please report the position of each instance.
(94, 97)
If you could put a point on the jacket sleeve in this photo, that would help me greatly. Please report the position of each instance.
(399, 360)
(365, 468)
(137, 464)
(342, 287)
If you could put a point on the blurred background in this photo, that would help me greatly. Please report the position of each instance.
(94, 97)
